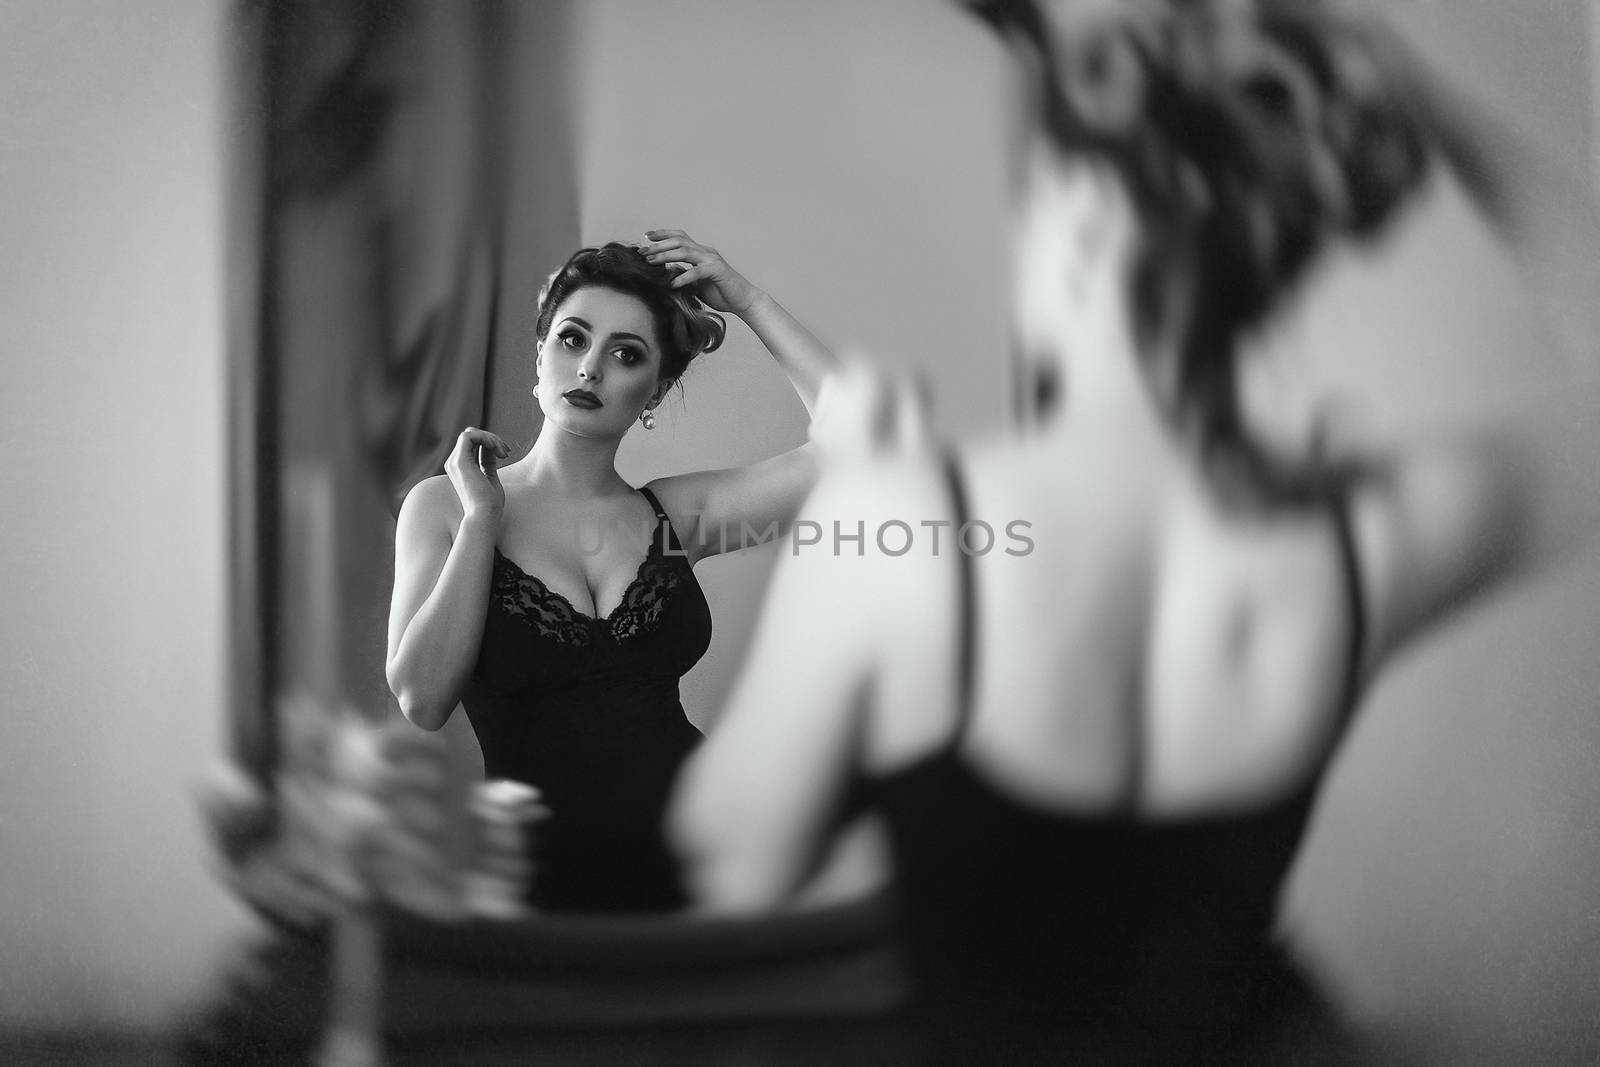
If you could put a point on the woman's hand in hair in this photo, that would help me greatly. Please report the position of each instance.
(701, 267)
(701, 270)
(473, 468)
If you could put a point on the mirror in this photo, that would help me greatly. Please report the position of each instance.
(404, 179)
(405, 176)
(422, 169)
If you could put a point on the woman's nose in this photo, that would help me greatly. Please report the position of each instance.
(589, 370)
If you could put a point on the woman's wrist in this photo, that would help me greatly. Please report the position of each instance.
(479, 522)
(759, 305)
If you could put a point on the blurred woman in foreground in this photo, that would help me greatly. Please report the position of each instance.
(1097, 753)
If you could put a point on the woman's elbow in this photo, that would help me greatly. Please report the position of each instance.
(724, 882)
(429, 715)
(426, 710)
(723, 870)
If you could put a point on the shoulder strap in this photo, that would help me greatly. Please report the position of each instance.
(661, 513)
(966, 620)
(663, 524)
(1354, 597)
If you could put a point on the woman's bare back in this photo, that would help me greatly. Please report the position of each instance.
(1154, 652)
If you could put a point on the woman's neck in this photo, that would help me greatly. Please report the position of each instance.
(573, 465)
(1110, 391)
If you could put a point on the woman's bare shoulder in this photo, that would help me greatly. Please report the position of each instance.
(431, 505)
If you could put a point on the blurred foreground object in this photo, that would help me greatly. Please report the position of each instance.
(366, 817)
(397, 898)
(504, 812)
(367, 813)
(866, 411)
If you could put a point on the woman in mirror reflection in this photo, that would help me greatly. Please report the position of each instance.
(1097, 759)
(557, 603)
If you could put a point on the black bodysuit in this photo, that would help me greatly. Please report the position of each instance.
(1036, 936)
(588, 711)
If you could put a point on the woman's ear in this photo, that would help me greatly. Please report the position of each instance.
(662, 385)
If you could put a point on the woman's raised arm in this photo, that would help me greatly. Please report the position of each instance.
(738, 507)
(861, 411)
(1462, 499)
(1540, 203)
(1448, 513)
(444, 557)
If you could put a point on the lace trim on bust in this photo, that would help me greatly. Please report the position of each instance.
(525, 597)
(645, 602)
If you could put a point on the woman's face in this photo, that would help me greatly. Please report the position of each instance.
(599, 365)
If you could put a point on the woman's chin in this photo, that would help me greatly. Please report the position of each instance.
(586, 425)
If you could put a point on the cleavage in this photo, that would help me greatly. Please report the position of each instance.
(593, 573)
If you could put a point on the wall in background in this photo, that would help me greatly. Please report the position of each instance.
(111, 424)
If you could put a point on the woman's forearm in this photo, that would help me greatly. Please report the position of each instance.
(1542, 205)
(436, 653)
(804, 358)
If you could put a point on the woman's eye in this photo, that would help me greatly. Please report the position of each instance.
(627, 355)
(572, 340)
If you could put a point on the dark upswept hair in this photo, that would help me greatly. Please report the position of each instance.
(685, 326)
(1249, 133)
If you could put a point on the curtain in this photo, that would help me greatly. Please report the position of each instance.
(411, 182)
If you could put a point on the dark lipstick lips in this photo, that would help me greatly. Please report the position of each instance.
(582, 397)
